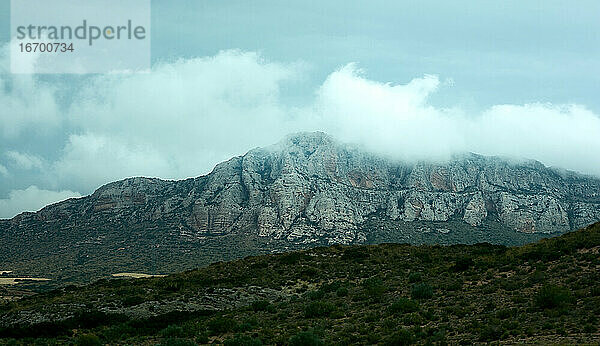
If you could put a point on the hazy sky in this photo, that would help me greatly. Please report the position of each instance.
(415, 81)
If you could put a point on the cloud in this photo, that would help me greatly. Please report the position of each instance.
(92, 160)
(24, 161)
(27, 104)
(398, 120)
(565, 136)
(177, 121)
(3, 170)
(390, 119)
(31, 199)
(185, 116)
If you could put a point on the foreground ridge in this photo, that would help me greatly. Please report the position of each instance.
(395, 294)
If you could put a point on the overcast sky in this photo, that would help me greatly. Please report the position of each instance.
(415, 81)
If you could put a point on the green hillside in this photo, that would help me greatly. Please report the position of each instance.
(547, 292)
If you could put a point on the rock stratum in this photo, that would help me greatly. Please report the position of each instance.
(304, 191)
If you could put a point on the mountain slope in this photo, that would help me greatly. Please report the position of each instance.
(541, 293)
(307, 190)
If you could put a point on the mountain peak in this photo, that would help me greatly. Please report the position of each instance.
(307, 190)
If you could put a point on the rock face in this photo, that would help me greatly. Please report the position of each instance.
(310, 188)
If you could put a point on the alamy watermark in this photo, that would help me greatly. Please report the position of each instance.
(67, 36)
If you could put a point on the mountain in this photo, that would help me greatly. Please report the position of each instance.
(391, 294)
(307, 190)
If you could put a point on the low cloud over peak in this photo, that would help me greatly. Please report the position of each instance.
(183, 117)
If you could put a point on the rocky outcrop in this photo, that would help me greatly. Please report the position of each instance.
(310, 188)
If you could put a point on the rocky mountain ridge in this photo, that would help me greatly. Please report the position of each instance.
(310, 189)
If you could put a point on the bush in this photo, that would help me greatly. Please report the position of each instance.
(401, 338)
(491, 332)
(172, 331)
(319, 309)
(260, 305)
(504, 314)
(221, 325)
(176, 342)
(550, 297)
(422, 291)
(453, 285)
(202, 339)
(172, 285)
(331, 287)
(315, 295)
(133, 300)
(244, 340)
(415, 277)
(305, 339)
(356, 254)
(293, 258)
(88, 340)
(341, 292)
(374, 288)
(463, 264)
(404, 305)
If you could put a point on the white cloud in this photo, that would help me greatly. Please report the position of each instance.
(24, 161)
(183, 117)
(26, 103)
(177, 121)
(3, 170)
(390, 119)
(92, 160)
(397, 120)
(31, 199)
(566, 136)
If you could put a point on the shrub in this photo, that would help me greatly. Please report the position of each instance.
(463, 264)
(401, 338)
(221, 325)
(176, 342)
(331, 287)
(341, 292)
(550, 297)
(202, 339)
(453, 285)
(243, 340)
(132, 300)
(172, 285)
(319, 309)
(260, 305)
(293, 258)
(88, 340)
(305, 339)
(309, 273)
(315, 295)
(404, 305)
(422, 291)
(490, 332)
(415, 277)
(357, 254)
(172, 331)
(504, 314)
(374, 288)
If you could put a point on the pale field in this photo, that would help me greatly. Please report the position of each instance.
(137, 275)
(16, 281)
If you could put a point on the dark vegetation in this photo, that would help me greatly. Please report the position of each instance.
(547, 292)
(125, 247)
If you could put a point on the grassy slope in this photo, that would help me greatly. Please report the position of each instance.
(390, 293)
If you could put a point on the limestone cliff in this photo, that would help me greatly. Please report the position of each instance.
(310, 188)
